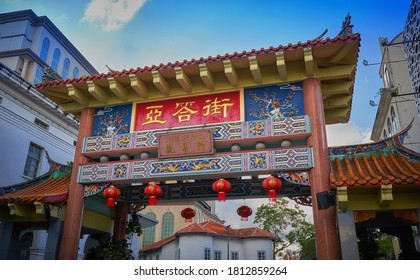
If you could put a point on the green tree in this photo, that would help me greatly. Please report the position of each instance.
(290, 226)
(374, 245)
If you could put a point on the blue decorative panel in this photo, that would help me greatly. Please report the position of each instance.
(112, 120)
(228, 164)
(275, 102)
(292, 126)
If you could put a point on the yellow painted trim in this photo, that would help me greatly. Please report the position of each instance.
(139, 86)
(97, 92)
(118, 89)
(206, 76)
(385, 195)
(281, 66)
(97, 221)
(160, 82)
(78, 95)
(255, 69)
(242, 103)
(183, 79)
(342, 198)
(230, 73)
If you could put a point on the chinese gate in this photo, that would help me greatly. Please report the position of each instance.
(185, 124)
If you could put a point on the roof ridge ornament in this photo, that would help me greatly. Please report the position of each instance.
(49, 75)
(346, 27)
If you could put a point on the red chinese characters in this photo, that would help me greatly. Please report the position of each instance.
(188, 111)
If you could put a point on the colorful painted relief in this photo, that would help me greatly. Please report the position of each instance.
(112, 120)
(221, 132)
(274, 102)
(284, 160)
(188, 111)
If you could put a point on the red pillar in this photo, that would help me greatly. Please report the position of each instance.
(75, 203)
(121, 217)
(326, 238)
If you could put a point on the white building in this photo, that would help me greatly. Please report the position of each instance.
(397, 105)
(170, 219)
(412, 48)
(212, 241)
(29, 43)
(30, 123)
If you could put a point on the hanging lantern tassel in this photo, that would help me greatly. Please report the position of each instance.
(272, 184)
(111, 193)
(272, 196)
(221, 186)
(153, 191)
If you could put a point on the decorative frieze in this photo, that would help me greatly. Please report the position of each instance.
(228, 164)
(293, 126)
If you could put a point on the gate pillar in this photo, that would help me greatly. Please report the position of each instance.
(75, 202)
(326, 239)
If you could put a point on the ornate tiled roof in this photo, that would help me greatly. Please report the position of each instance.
(52, 190)
(185, 62)
(381, 163)
(51, 187)
(215, 229)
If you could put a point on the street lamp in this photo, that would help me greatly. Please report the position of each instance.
(228, 239)
(366, 63)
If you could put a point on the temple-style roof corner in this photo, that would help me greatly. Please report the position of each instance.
(51, 187)
(374, 164)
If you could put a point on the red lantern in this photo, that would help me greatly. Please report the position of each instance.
(244, 211)
(153, 191)
(111, 193)
(271, 184)
(221, 186)
(188, 214)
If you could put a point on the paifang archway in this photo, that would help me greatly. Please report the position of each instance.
(280, 96)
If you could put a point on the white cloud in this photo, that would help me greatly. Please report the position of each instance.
(111, 15)
(347, 134)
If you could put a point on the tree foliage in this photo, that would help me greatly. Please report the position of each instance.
(374, 245)
(290, 226)
(113, 249)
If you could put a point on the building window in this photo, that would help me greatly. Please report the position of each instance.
(33, 161)
(44, 50)
(157, 257)
(207, 253)
(178, 254)
(149, 233)
(235, 256)
(394, 123)
(38, 75)
(389, 126)
(41, 124)
(56, 58)
(66, 67)
(167, 225)
(387, 79)
(261, 255)
(385, 134)
(75, 72)
(43, 55)
(217, 255)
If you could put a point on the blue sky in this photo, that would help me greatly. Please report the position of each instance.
(130, 34)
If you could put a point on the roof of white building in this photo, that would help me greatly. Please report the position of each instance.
(215, 229)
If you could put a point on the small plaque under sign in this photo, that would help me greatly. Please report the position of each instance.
(186, 143)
